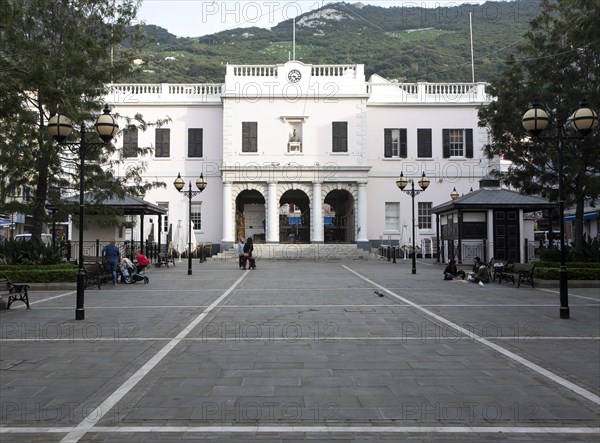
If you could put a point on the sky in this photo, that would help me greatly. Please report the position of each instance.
(194, 18)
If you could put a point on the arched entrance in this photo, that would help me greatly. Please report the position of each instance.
(250, 218)
(294, 217)
(338, 215)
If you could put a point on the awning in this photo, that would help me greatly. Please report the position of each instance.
(587, 216)
(4, 222)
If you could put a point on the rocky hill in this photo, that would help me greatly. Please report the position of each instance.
(405, 43)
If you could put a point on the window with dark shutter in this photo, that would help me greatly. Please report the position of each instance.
(387, 143)
(249, 137)
(402, 143)
(424, 149)
(446, 142)
(340, 137)
(469, 143)
(163, 142)
(394, 143)
(130, 142)
(195, 142)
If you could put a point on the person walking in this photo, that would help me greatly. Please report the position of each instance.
(240, 250)
(111, 255)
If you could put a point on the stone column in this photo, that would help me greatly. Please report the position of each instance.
(272, 234)
(317, 215)
(228, 227)
(362, 240)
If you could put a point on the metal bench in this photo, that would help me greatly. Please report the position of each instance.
(518, 273)
(165, 259)
(15, 292)
(96, 274)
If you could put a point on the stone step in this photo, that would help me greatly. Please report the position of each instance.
(302, 252)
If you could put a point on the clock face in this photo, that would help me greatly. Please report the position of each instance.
(294, 76)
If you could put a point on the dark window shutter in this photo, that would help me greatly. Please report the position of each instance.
(403, 149)
(387, 143)
(249, 137)
(469, 143)
(446, 142)
(130, 142)
(424, 143)
(195, 142)
(340, 137)
(163, 147)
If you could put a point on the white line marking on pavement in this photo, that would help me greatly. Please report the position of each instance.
(252, 339)
(44, 300)
(348, 429)
(528, 364)
(570, 295)
(95, 416)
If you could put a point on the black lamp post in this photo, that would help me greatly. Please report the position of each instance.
(60, 127)
(424, 184)
(179, 183)
(583, 120)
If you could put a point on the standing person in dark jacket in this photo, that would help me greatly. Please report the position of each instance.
(112, 257)
(248, 248)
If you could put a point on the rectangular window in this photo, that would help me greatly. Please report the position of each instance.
(165, 217)
(163, 142)
(394, 143)
(249, 137)
(339, 136)
(392, 216)
(424, 215)
(457, 143)
(196, 216)
(195, 142)
(130, 142)
(424, 143)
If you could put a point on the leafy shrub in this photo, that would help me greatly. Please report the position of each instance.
(552, 254)
(28, 253)
(590, 250)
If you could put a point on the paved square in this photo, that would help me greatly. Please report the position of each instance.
(302, 351)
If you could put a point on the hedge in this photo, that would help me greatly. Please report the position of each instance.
(575, 270)
(40, 274)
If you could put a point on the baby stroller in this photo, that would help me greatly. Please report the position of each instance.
(134, 273)
(140, 274)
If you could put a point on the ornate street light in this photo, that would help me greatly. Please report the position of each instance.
(584, 120)
(60, 127)
(454, 194)
(402, 182)
(179, 183)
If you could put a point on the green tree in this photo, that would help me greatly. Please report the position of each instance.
(58, 55)
(559, 65)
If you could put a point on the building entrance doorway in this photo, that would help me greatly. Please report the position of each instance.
(338, 217)
(294, 217)
(250, 216)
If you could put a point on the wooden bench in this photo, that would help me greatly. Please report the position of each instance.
(15, 292)
(165, 259)
(518, 273)
(96, 274)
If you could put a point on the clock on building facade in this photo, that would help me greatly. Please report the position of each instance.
(294, 76)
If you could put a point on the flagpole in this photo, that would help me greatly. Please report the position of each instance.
(472, 62)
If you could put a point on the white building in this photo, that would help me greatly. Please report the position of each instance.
(319, 139)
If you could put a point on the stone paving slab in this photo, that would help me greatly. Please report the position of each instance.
(295, 347)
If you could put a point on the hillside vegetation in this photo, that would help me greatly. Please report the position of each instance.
(405, 43)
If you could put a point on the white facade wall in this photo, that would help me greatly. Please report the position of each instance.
(281, 100)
